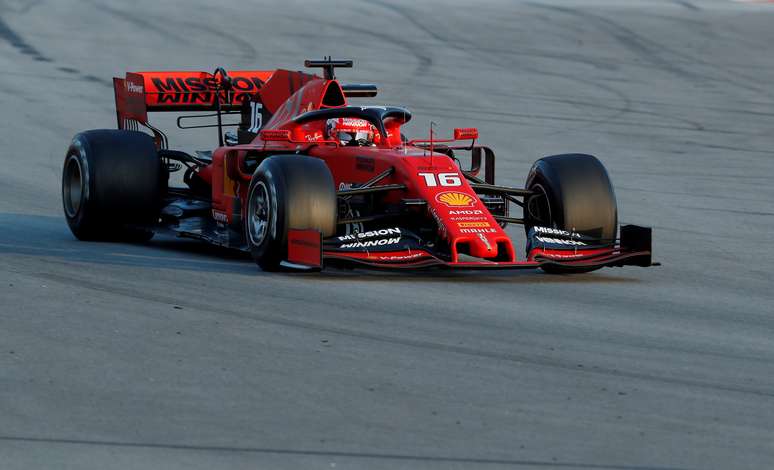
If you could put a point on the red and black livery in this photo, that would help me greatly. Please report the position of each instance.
(279, 186)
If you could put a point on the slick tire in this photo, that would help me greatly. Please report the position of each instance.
(572, 192)
(287, 192)
(112, 184)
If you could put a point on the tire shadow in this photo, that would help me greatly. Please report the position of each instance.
(48, 238)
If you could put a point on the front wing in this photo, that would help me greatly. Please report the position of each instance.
(306, 249)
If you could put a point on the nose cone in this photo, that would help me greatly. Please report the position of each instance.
(462, 218)
(477, 244)
(481, 239)
(481, 247)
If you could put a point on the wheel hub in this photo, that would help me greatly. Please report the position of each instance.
(258, 209)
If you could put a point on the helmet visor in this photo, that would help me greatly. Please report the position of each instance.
(350, 137)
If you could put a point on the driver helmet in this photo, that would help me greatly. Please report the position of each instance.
(351, 131)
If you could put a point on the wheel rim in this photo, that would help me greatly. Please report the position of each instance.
(539, 207)
(258, 208)
(73, 186)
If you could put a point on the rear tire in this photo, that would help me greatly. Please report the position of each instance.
(287, 192)
(112, 185)
(574, 193)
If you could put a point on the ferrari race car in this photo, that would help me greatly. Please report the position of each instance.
(306, 180)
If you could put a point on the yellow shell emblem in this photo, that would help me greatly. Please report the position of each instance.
(455, 199)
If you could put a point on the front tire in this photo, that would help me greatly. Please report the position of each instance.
(112, 185)
(287, 192)
(572, 192)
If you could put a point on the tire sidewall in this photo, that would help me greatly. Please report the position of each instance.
(81, 224)
(540, 174)
(270, 252)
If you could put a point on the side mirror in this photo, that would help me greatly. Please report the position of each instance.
(465, 133)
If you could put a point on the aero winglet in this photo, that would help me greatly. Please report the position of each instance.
(305, 248)
(637, 239)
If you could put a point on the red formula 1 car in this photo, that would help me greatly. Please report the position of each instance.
(307, 180)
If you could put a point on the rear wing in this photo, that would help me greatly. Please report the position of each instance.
(257, 94)
(141, 92)
(247, 91)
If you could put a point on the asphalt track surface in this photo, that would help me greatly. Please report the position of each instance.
(172, 355)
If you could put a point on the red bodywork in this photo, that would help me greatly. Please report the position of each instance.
(462, 218)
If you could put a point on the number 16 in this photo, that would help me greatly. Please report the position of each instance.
(445, 179)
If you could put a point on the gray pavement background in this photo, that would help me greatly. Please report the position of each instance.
(174, 355)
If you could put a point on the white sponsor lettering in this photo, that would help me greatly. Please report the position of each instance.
(564, 255)
(466, 212)
(399, 257)
(219, 216)
(371, 234)
(355, 122)
(560, 241)
(441, 226)
(370, 243)
(131, 87)
(436, 216)
(478, 230)
(555, 231)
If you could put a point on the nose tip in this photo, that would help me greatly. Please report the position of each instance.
(482, 247)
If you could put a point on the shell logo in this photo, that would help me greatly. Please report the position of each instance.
(455, 199)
